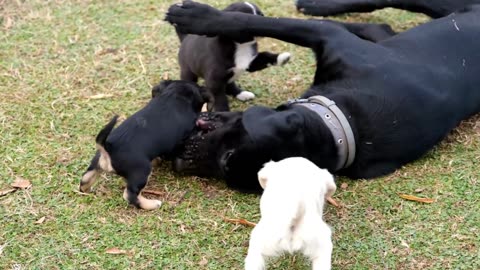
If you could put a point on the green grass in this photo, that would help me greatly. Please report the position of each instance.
(56, 54)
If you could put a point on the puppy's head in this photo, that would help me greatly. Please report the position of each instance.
(185, 90)
(245, 7)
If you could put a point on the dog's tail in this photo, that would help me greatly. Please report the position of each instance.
(104, 161)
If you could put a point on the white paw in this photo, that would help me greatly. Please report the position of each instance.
(283, 58)
(245, 95)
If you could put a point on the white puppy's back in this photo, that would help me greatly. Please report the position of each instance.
(292, 207)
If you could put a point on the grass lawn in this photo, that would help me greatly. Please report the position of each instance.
(67, 66)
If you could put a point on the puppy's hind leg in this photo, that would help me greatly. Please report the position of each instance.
(266, 59)
(89, 177)
(136, 181)
(322, 257)
(255, 260)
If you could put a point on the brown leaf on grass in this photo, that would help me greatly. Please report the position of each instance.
(419, 190)
(100, 96)
(240, 221)
(21, 183)
(115, 251)
(333, 202)
(344, 186)
(203, 262)
(8, 23)
(415, 198)
(40, 220)
(4, 192)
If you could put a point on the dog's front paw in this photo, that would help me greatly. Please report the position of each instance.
(245, 95)
(193, 18)
(283, 58)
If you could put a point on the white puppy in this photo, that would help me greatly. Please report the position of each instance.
(291, 206)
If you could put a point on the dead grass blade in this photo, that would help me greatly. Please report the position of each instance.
(6, 191)
(115, 251)
(415, 198)
(240, 221)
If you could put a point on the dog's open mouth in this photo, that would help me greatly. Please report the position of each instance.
(194, 154)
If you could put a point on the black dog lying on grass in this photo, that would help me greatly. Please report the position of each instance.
(432, 8)
(372, 107)
(152, 132)
(220, 61)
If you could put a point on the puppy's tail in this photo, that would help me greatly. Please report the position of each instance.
(104, 161)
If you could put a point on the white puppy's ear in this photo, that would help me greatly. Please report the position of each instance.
(263, 174)
(331, 187)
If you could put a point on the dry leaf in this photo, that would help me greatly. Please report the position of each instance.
(6, 191)
(332, 202)
(419, 190)
(204, 108)
(40, 220)
(21, 183)
(203, 262)
(344, 186)
(8, 23)
(416, 199)
(240, 221)
(100, 96)
(115, 251)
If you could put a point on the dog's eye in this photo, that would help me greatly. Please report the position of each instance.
(225, 159)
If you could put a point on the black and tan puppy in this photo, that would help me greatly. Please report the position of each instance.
(153, 131)
(221, 60)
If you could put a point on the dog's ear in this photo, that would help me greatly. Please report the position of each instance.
(264, 172)
(331, 187)
(157, 89)
(265, 125)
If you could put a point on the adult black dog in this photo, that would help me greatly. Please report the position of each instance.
(396, 98)
(432, 8)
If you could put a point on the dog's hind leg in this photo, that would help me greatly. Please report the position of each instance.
(136, 181)
(89, 177)
(187, 75)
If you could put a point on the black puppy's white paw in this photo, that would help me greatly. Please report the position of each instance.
(283, 58)
(245, 95)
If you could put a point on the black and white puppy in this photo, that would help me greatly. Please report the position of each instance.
(220, 60)
(292, 203)
(152, 132)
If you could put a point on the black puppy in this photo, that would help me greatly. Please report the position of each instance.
(432, 8)
(151, 132)
(372, 107)
(221, 60)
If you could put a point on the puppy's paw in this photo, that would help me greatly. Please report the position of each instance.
(245, 95)
(147, 204)
(283, 58)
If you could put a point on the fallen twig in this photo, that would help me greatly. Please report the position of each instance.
(240, 221)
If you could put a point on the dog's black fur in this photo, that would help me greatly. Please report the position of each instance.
(152, 132)
(214, 59)
(401, 95)
(432, 8)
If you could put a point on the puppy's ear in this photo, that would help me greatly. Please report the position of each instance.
(331, 187)
(157, 89)
(264, 173)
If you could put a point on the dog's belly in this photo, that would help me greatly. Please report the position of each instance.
(244, 55)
